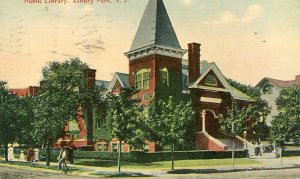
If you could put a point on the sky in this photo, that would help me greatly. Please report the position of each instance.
(247, 39)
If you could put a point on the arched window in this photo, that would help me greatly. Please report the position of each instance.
(142, 79)
(164, 76)
(210, 80)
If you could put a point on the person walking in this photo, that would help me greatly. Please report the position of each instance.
(62, 159)
(30, 155)
(36, 154)
(10, 153)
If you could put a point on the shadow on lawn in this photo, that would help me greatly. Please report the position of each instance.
(209, 171)
(122, 174)
(112, 163)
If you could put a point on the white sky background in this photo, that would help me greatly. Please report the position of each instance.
(248, 40)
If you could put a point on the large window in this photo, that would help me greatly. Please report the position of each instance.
(210, 80)
(142, 79)
(164, 76)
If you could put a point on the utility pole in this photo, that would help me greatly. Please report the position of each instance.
(233, 145)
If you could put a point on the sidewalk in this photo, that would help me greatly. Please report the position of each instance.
(80, 170)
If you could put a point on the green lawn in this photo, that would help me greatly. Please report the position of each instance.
(166, 164)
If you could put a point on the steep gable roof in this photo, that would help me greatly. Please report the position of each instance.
(205, 68)
(155, 28)
(122, 78)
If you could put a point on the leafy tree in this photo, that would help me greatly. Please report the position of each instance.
(256, 111)
(26, 117)
(234, 116)
(9, 120)
(285, 126)
(63, 88)
(125, 123)
(168, 122)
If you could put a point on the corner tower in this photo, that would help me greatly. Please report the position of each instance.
(155, 55)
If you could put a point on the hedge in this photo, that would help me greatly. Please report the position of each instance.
(290, 153)
(142, 157)
(139, 157)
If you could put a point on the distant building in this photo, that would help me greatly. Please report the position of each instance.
(270, 90)
(22, 92)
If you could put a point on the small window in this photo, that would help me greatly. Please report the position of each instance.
(146, 147)
(142, 79)
(210, 80)
(267, 89)
(99, 147)
(114, 147)
(164, 76)
(105, 148)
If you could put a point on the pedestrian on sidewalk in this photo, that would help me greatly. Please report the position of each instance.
(10, 153)
(36, 154)
(261, 148)
(62, 157)
(22, 155)
(256, 149)
(30, 155)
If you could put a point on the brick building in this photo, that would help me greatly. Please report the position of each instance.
(156, 57)
(156, 61)
(22, 92)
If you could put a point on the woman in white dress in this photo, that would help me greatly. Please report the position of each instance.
(22, 155)
(11, 153)
(36, 154)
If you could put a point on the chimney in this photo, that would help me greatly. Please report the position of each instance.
(91, 78)
(297, 78)
(194, 61)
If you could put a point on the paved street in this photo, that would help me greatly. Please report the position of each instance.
(270, 168)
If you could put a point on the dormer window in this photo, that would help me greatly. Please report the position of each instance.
(142, 79)
(210, 80)
(267, 89)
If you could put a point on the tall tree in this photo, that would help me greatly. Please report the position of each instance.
(63, 88)
(9, 119)
(125, 123)
(168, 122)
(285, 126)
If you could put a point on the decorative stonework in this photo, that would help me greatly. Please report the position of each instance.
(155, 49)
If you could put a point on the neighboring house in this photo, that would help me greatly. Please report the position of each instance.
(270, 90)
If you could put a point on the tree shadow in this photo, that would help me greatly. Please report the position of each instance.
(210, 171)
(120, 175)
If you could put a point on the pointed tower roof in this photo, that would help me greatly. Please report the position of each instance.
(155, 30)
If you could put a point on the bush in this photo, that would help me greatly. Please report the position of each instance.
(290, 153)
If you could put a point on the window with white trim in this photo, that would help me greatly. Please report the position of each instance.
(142, 79)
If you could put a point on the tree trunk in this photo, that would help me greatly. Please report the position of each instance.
(233, 147)
(172, 156)
(119, 157)
(48, 153)
(6, 152)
